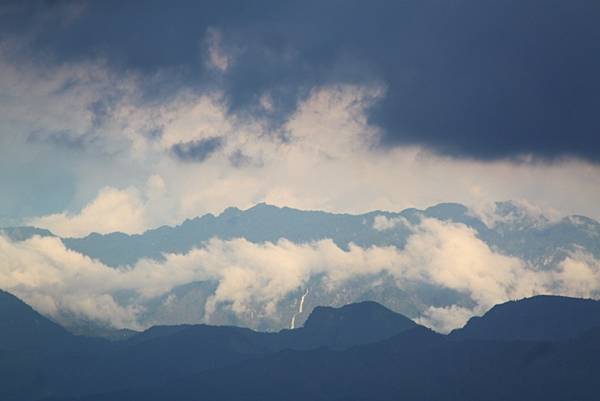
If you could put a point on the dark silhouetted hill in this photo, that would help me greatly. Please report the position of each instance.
(62, 364)
(350, 325)
(415, 365)
(21, 327)
(536, 318)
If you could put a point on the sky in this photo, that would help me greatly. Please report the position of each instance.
(124, 116)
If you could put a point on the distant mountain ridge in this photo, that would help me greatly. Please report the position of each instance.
(512, 230)
(264, 222)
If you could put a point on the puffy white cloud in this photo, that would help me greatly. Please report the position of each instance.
(579, 275)
(55, 280)
(383, 223)
(450, 255)
(445, 319)
(112, 211)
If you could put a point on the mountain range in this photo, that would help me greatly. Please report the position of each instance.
(512, 230)
(540, 348)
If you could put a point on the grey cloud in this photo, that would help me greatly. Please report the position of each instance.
(197, 151)
(154, 133)
(471, 79)
(239, 159)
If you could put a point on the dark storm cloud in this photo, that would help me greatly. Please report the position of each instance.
(196, 151)
(477, 79)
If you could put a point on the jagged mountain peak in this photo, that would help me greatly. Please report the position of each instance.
(356, 323)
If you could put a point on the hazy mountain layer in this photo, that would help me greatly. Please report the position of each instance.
(538, 244)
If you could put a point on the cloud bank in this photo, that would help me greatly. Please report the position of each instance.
(255, 278)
